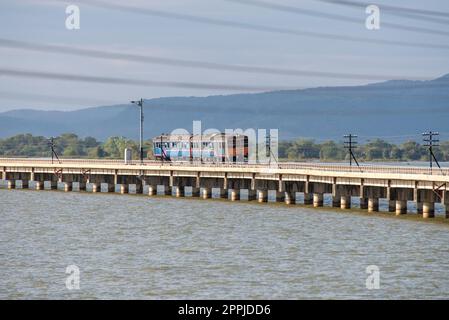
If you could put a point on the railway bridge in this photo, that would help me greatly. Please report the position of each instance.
(292, 183)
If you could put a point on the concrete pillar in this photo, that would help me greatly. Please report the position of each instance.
(167, 190)
(178, 191)
(206, 193)
(345, 202)
(223, 193)
(34, 185)
(134, 188)
(78, 186)
(251, 194)
(280, 196)
(446, 210)
(234, 194)
(10, 184)
(120, 188)
(308, 198)
(428, 210)
(152, 190)
(419, 207)
(401, 207)
(363, 203)
(64, 186)
(391, 206)
(21, 184)
(49, 185)
(106, 187)
(290, 197)
(317, 200)
(262, 196)
(336, 201)
(195, 192)
(373, 204)
(92, 187)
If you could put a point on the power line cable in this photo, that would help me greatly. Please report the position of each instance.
(332, 16)
(389, 8)
(256, 27)
(127, 81)
(101, 54)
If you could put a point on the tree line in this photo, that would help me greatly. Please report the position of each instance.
(71, 146)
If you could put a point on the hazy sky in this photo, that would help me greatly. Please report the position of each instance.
(127, 32)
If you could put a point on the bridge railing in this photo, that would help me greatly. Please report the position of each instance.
(366, 168)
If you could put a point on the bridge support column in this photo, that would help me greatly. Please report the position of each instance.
(106, 187)
(428, 210)
(401, 207)
(391, 206)
(262, 196)
(134, 188)
(373, 205)
(280, 196)
(206, 193)
(21, 184)
(308, 198)
(195, 192)
(345, 202)
(178, 191)
(317, 200)
(290, 197)
(49, 185)
(234, 194)
(152, 190)
(64, 186)
(363, 203)
(78, 186)
(10, 184)
(223, 193)
(120, 188)
(92, 187)
(251, 195)
(34, 185)
(167, 190)
(419, 207)
(336, 201)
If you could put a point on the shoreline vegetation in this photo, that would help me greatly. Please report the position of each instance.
(69, 145)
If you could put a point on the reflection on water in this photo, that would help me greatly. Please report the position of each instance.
(154, 248)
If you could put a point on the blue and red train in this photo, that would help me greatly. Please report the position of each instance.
(217, 147)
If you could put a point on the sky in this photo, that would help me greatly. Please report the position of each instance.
(127, 31)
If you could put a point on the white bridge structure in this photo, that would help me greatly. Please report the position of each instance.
(284, 181)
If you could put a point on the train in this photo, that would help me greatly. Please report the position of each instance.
(215, 148)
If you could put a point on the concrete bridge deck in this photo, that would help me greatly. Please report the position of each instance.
(369, 183)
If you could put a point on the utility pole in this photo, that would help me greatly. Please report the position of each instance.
(268, 147)
(140, 104)
(350, 143)
(430, 141)
(54, 154)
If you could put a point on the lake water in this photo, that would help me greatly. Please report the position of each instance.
(165, 248)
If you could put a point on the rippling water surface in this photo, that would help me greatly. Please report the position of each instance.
(166, 248)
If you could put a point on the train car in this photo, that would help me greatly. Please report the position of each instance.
(217, 147)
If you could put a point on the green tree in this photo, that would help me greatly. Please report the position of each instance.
(330, 150)
(412, 150)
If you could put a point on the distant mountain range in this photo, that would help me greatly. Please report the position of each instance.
(391, 109)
